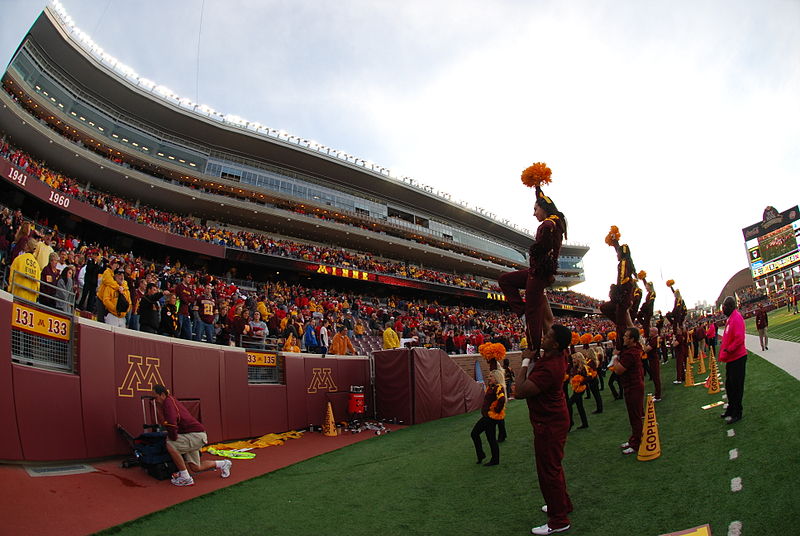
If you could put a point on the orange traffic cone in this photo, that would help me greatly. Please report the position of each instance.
(650, 447)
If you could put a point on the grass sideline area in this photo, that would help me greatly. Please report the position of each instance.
(424, 480)
(782, 325)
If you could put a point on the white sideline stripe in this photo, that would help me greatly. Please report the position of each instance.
(731, 433)
(733, 454)
(736, 484)
(735, 528)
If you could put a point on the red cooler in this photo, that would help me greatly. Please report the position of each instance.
(355, 403)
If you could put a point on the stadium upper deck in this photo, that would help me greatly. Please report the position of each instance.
(97, 120)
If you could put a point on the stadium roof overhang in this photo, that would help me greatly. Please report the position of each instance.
(109, 87)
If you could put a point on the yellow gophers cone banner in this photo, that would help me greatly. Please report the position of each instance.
(713, 377)
(329, 424)
(650, 448)
(689, 380)
(702, 360)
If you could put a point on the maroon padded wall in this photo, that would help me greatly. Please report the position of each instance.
(393, 387)
(234, 399)
(427, 385)
(460, 393)
(49, 414)
(321, 380)
(128, 390)
(267, 409)
(295, 375)
(10, 447)
(98, 391)
(195, 369)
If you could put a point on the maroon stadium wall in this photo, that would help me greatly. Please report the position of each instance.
(419, 385)
(50, 415)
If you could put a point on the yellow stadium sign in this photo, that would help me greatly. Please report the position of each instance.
(704, 530)
(262, 359)
(40, 323)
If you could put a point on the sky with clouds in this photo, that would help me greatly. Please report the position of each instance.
(676, 121)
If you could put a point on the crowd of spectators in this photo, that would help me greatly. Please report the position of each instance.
(167, 299)
(240, 239)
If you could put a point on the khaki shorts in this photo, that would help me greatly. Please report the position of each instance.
(189, 445)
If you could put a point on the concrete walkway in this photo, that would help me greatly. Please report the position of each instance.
(782, 354)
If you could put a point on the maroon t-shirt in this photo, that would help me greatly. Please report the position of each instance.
(550, 405)
(631, 359)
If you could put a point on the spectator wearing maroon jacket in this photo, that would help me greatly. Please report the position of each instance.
(50, 275)
(761, 325)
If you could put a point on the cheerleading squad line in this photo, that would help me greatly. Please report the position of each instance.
(551, 367)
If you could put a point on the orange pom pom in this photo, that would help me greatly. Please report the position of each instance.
(597, 338)
(612, 335)
(536, 175)
(613, 235)
(576, 338)
(670, 282)
(642, 274)
(586, 338)
(492, 350)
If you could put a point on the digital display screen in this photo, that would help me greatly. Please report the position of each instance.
(774, 251)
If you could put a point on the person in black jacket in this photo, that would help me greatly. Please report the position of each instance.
(169, 317)
(150, 309)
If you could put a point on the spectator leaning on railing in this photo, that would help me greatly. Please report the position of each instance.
(25, 273)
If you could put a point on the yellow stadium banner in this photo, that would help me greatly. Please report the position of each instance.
(262, 359)
(40, 323)
(703, 530)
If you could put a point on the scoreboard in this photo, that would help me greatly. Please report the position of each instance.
(772, 243)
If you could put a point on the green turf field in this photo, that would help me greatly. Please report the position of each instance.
(782, 325)
(423, 480)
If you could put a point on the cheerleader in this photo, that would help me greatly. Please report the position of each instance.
(543, 258)
(592, 371)
(492, 411)
(578, 380)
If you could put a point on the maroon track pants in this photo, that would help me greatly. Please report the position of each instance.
(533, 305)
(548, 445)
(634, 400)
(655, 374)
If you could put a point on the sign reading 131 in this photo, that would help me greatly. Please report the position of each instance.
(40, 322)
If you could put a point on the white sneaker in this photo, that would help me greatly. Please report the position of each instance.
(182, 481)
(544, 508)
(545, 529)
(625, 445)
(225, 470)
(628, 450)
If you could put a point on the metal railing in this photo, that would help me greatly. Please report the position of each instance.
(42, 323)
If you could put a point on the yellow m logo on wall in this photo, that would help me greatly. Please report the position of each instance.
(143, 373)
(321, 378)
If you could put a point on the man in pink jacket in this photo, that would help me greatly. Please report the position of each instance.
(734, 355)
